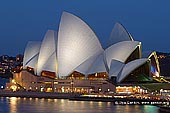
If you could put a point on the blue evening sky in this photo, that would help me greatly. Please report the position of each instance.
(21, 21)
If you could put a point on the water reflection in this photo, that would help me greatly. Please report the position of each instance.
(35, 105)
(13, 104)
(150, 109)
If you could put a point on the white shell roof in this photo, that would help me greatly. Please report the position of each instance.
(77, 48)
(98, 65)
(51, 64)
(33, 62)
(115, 68)
(120, 51)
(31, 54)
(76, 43)
(119, 34)
(48, 47)
(129, 67)
(85, 66)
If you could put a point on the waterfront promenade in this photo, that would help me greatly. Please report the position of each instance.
(26, 94)
(78, 97)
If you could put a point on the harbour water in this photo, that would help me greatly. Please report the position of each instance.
(35, 105)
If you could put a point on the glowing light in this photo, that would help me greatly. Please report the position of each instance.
(55, 82)
(141, 90)
(41, 89)
(96, 75)
(154, 71)
(62, 89)
(14, 88)
(13, 105)
(157, 74)
(13, 81)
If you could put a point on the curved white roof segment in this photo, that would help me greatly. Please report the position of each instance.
(119, 34)
(115, 68)
(51, 64)
(76, 43)
(85, 66)
(129, 67)
(98, 65)
(31, 54)
(33, 63)
(48, 47)
(120, 51)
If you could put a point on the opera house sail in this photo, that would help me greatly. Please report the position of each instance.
(118, 34)
(75, 48)
(47, 60)
(31, 54)
(76, 43)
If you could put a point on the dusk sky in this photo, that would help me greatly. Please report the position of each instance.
(21, 21)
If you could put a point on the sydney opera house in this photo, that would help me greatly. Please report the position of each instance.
(73, 59)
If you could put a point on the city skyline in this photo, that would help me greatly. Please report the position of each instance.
(22, 21)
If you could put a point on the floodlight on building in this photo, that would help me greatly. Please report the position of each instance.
(13, 81)
(14, 87)
(96, 75)
(62, 89)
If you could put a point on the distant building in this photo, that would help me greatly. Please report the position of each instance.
(10, 64)
(19, 58)
(164, 60)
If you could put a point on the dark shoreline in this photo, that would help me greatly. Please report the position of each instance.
(121, 101)
(78, 97)
(47, 95)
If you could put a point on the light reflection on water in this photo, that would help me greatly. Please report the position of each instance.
(35, 105)
(13, 103)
